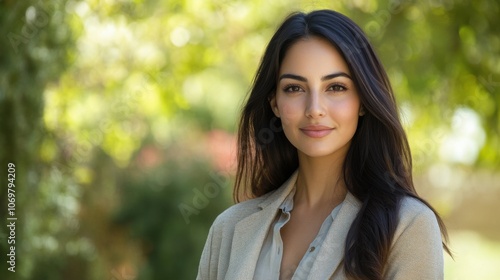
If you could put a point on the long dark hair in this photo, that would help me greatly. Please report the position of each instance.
(377, 168)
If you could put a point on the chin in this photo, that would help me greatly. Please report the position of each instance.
(318, 153)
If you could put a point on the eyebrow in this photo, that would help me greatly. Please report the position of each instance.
(324, 78)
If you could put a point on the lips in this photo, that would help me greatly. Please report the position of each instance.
(316, 131)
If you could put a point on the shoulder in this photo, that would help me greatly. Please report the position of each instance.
(239, 211)
(416, 251)
(413, 211)
(416, 218)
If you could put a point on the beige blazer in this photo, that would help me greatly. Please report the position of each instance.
(236, 237)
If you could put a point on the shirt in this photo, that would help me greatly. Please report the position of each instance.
(237, 235)
(269, 262)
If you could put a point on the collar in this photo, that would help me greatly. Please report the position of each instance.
(250, 232)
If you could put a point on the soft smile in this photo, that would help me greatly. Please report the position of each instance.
(316, 131)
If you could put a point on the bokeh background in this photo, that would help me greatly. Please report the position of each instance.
(120, 116)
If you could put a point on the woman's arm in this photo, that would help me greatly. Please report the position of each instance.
(204, 268)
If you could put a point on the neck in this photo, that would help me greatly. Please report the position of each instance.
(320, 181)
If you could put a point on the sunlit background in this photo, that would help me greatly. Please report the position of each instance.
(120, 117)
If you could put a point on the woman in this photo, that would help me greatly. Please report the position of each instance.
(326, 164)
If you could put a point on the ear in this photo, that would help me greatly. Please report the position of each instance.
(361, 111)
(274, 106)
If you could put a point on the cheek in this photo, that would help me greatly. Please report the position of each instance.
(348, 109)
(289, 111)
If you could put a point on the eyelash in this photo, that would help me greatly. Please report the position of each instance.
(288, 88)
(339, 86)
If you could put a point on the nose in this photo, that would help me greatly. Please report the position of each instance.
(315, 107)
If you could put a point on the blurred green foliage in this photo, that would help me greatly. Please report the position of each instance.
(171, 241)
(35, 49)
(120, 118)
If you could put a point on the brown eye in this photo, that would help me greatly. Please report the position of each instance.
(337, 87)
(292, 88)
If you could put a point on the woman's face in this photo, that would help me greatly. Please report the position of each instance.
(316, 99)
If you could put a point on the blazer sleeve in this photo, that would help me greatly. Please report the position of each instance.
(417, 251)
(214, 258)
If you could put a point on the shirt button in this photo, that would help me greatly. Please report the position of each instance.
(312, 249)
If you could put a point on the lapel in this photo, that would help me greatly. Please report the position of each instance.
(331, 253)
(250, 232)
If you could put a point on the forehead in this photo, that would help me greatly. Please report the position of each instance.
(311, 56)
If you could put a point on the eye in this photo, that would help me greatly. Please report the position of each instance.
(337, 87)
(292, 88)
